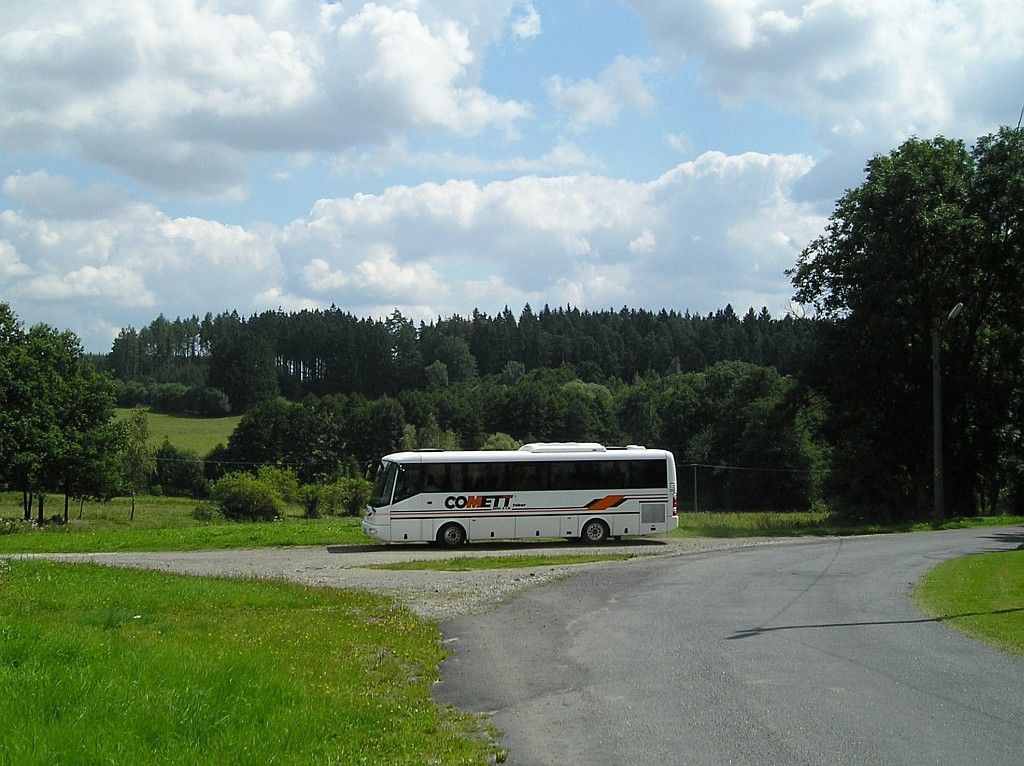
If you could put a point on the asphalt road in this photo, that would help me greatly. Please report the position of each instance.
(784, 654)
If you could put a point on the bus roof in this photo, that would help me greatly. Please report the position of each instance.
(532, 452)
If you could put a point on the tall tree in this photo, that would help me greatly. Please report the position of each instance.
(55, 411)
(242, 365)
(932, 225)
(137, 457)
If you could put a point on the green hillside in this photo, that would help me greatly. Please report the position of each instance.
(199, 434)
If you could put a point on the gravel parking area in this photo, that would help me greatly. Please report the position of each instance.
(434, 595)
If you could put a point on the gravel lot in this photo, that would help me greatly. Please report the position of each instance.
(435, 595)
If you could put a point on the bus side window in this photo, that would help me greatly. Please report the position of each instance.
(408, 484)
(457, 478)
(434, 478)
(485, 477)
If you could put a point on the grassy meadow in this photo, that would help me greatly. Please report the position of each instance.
(166, 523)
(161, 524)
(102, 665)
(981, 595)
(195, 433)
(797, 524)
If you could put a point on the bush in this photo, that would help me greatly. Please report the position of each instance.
(216, 463)
(205, 512)
(243, 497)
(355, 494)
(178, 472)
(283, 480)
(208, 402)
(347, 496)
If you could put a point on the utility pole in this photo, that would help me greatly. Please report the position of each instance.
(694, 487)
(938, 509)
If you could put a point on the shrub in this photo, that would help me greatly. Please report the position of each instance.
(216, 463)
(312, 501)
(178, 472)
(283, 480)
(209, 402)
(205, 512)
(347, 496)
(355, 494)
(243, 497)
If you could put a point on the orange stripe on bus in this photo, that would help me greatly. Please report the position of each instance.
(607, 502)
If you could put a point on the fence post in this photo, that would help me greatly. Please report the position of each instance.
(694, 487)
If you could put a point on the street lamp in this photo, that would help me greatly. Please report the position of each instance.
(938, 511)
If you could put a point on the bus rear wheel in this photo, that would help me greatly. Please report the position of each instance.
(451, 536)
(594, 532)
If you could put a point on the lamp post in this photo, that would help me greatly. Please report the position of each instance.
(938, 509)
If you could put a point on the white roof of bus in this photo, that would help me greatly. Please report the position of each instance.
(495, 456)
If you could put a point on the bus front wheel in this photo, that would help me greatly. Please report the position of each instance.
(594, 532)
(451, 536)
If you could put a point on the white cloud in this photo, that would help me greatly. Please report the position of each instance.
(644, 242)
(528, 24)
(563, 156)
(10, 263)
(600, 102)
(119, 263)
(53, 196)
(179, 95)
(114, 285)
(867, 73)
(715, 230)
(679, 142)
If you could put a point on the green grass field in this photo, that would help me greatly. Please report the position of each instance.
(981, 595)
(199, 434)
(796, 524)
(101, 665)
(161, 524)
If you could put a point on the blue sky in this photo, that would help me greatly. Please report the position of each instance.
(443, 155)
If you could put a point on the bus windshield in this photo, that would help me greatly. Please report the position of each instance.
(384, 484)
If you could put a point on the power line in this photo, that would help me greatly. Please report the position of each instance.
(749, 468)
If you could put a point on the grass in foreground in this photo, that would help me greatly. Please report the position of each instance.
(195, 433)
(465, 564)
(161, 524)
(796, 524)
(981, 595)
(101, 665)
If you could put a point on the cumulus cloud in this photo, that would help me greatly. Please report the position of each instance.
(867, 73)
(600, 102)
(180, 95)
(43, 195)
(562, 157)
(10, 263)
(116, 262)
(528, 24)
(719, 229)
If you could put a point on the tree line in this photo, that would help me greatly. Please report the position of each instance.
(330, 351)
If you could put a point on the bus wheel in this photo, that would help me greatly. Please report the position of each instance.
(594, 532)
(451, 536)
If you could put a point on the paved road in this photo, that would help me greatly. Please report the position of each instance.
(787, 654)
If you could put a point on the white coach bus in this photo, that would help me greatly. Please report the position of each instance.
(570, 490)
